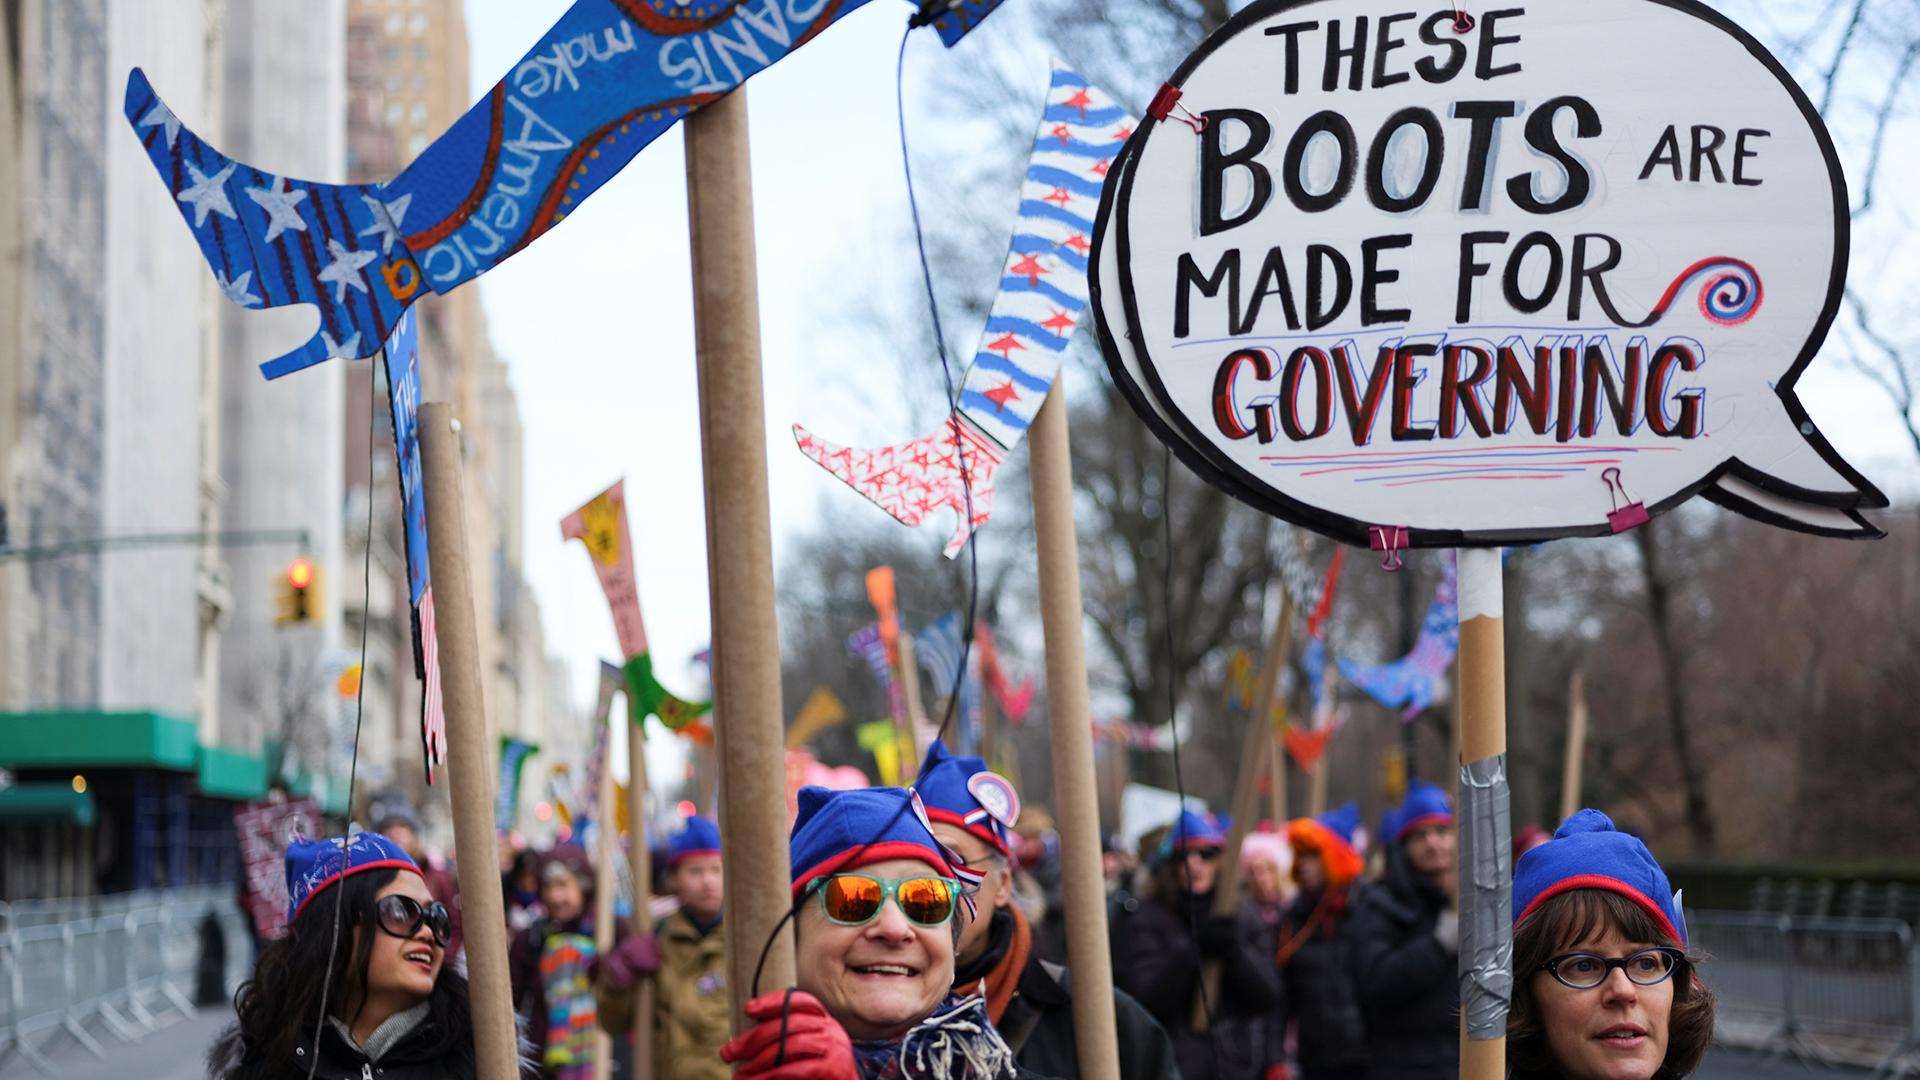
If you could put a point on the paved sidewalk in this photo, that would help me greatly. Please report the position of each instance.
(175, 1052)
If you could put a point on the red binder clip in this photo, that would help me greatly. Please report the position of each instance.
(1391, 539)
(1168, 99)
(1632, 514)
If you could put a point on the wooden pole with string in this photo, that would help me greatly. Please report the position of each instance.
(1070, 728)
(1485, 867)
(748, 736)
(469, 764)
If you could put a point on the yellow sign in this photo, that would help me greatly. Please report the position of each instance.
(602, 537)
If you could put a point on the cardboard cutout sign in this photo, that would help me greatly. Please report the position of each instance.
(1536, 279)
(609, 78)
(403, 384)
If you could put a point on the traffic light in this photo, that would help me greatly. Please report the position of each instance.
(299, 597)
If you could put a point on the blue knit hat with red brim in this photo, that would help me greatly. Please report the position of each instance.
(1587, 852)
(1426, 804)
(961, 791)
(838, 831)
(700, 837)
(312, 865)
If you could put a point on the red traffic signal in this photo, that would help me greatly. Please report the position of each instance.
(299, 573)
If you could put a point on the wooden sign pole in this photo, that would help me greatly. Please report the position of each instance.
(469, 764)
(1483, 734)
(746, 637)
(607, 830)
(640, 864)
(1576, 745)
(1070, 726)
(1246, 797)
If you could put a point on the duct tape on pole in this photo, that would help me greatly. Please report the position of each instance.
(1070, 727)
(748, 736)
(1485, 894)
(469, 763)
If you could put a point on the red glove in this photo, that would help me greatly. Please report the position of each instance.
(636, 956)
(794, 1040)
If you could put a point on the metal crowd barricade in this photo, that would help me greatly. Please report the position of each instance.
(1831, 990)
(113, 965)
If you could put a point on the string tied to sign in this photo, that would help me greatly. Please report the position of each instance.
(1462, 22)
(1166, 100)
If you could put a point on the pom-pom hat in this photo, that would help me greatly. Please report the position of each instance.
(838, 831)
(1330, 835)
(960, 791)
(700, 837)
(1587, 852)
(1426, 804)
(312, 865)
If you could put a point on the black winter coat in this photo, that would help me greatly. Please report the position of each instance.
(1332, 1034)
(412, 1058)
(1408, 984)
(1158, 962)
(1038, 1025)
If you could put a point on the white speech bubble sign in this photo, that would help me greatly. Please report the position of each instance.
(1458, 281)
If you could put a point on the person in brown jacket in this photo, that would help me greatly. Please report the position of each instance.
(687, 958)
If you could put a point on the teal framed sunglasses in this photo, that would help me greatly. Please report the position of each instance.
(856, 899)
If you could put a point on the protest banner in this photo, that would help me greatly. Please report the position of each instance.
(1500, 285)
(264, 830)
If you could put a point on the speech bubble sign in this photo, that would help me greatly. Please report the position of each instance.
(1495, 285)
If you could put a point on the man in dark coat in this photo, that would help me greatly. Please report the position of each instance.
(1405, 939)
(1028, 999)
(1161, 940)
(1314, 945)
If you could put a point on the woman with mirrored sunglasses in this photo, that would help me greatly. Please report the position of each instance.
(1604, 987)
(393, 1007)
(876, 921)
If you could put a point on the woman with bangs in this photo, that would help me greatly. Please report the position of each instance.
(1604, 985)
(876, 925)
(359, 983)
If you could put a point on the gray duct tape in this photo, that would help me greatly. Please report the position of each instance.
(1486, 897)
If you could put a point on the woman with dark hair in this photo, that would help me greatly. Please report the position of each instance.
(358, 982)
(1604, 986)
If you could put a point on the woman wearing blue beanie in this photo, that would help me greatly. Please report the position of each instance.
(1604, 986)
(366, 938)
(876, 922)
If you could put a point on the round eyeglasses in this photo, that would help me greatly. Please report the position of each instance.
(856, 899)
(1584, 971)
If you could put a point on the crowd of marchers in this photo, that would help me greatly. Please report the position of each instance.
(928, 947)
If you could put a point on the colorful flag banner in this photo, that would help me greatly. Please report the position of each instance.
(1409, 683)
(604, 82)
(883, 739)
(1043, 291)
(1014, 700)
(513, 757)
(601, 525)
(403, 394)
(822, 709)
(939, 649)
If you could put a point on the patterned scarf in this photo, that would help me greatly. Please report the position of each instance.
(956, 1042)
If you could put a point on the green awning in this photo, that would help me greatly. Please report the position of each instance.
(230, 774)
(46, 801)
(97, 739)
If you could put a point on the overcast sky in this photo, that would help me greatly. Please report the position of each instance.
(595, 322)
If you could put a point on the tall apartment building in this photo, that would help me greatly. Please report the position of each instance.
(144, 687)
(407, 81)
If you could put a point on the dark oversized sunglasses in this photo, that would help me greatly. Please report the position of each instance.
(401, 916)
(855, 899)
(1584, 971)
